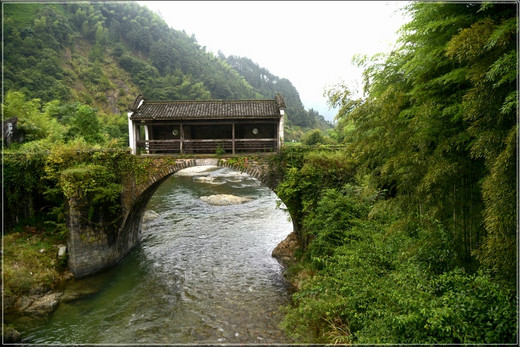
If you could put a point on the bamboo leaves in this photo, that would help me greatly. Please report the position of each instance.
(438, 120)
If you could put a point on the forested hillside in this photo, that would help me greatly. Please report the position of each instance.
(105, 53)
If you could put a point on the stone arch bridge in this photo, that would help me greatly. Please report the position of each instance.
(92, 248)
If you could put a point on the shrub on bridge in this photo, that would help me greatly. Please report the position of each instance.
(92, 181)
(33, 183)
(142, 168)
(96, 190)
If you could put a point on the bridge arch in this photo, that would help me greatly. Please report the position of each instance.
(91, 250)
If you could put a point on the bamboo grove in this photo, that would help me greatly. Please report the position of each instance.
(415, 239)
(438, 129)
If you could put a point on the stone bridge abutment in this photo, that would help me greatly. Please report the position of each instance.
(93, 247)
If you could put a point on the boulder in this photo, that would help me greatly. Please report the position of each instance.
(10, 335)
(71, 295)
(207, 180)
(284, 251)
(62, 251)
(44, 305)
(196, 170)
(224, 199)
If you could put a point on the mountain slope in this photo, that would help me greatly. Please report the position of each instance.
(267, 84)
(104, 54)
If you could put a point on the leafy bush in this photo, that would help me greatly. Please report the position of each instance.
(307, 176)
(96, 186)
(373, 273)
(371, 284)
(333, 223)
(472, 309)
(33, 183)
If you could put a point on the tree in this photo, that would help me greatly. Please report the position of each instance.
(488, 50)
(84, 122)
(32, 121)
(420, 245)
(438, 117)
(314, 137)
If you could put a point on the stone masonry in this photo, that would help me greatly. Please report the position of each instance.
(92, 249)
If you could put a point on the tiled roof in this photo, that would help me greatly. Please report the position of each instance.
(211, 109)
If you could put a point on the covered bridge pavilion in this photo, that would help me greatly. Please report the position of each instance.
(206, 127)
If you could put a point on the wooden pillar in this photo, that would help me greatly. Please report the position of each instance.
(233, 142)
(181, 130)
(276, 138)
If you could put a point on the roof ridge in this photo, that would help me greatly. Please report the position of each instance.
(206, 101)
(208, 109)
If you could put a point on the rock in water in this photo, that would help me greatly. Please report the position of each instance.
(207, 180)
(44, 305)
(203, 179)
(149, 216)
(196, 170)
(224, 199)
(11, 335)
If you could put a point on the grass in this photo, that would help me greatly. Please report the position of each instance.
(30, 263)
(21, 13)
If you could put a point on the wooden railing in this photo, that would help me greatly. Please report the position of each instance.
(160, 146)
(255, 145)
(207, 146)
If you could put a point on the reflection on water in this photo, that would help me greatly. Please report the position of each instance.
(202, 273)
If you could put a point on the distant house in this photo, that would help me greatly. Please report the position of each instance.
(206, 127)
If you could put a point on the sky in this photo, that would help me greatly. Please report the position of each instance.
(311, 43)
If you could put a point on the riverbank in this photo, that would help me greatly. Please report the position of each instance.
(288, 253)
(33, 276)
(36, 282)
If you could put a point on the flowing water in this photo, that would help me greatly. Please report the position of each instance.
(202, 274)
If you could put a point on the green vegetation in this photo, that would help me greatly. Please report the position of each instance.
(30, 263)
(409, 234)
(408, 231)
(44, 125)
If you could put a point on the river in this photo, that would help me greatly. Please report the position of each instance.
(201, 274)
